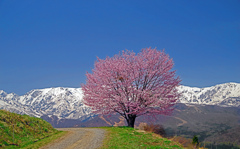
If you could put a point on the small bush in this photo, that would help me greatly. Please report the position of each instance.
(155, 128)
(46, 130)
(184, 141)
(195, 141)
(142, 125)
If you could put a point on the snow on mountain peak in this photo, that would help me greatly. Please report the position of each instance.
(63, 102)
(59, 101)
(2, 93)
(67, 102)
(227, 94)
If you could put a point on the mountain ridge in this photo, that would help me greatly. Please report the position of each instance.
(65, 102)
(209, 112)
(227, 94)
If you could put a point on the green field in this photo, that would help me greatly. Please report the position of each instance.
(126, 137)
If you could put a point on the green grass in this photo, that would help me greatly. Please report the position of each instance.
(45, 141)
(21, 131)
(129, 138)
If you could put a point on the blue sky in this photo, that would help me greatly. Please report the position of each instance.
(54, 43)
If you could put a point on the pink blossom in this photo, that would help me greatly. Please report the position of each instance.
(132, 85)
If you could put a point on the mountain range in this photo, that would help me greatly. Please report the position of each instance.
(66, 103)
(212, 113)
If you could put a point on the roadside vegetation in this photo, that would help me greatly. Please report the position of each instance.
(127, 137)
(23, 131)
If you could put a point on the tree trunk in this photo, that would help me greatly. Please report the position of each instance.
(131, 120)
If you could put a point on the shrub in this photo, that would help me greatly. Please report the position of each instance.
(187, 143)
(195, 142)
(155, 128)
(142, 125)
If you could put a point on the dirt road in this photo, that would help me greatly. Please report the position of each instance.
(78, 138)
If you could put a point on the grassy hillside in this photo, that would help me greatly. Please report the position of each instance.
(18, 131)
(214, 125)
(126, 137)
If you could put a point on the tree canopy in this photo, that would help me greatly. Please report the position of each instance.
(132, 85)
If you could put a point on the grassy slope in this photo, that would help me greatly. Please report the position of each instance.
(125, 137)
(45, 141)
(26, 131)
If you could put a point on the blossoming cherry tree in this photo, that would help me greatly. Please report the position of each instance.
(132, 85)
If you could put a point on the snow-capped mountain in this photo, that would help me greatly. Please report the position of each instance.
(67, 102)
(61, 102)
(10, 102)
(227, 94)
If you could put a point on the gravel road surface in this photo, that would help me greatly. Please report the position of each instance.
(78, 138)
